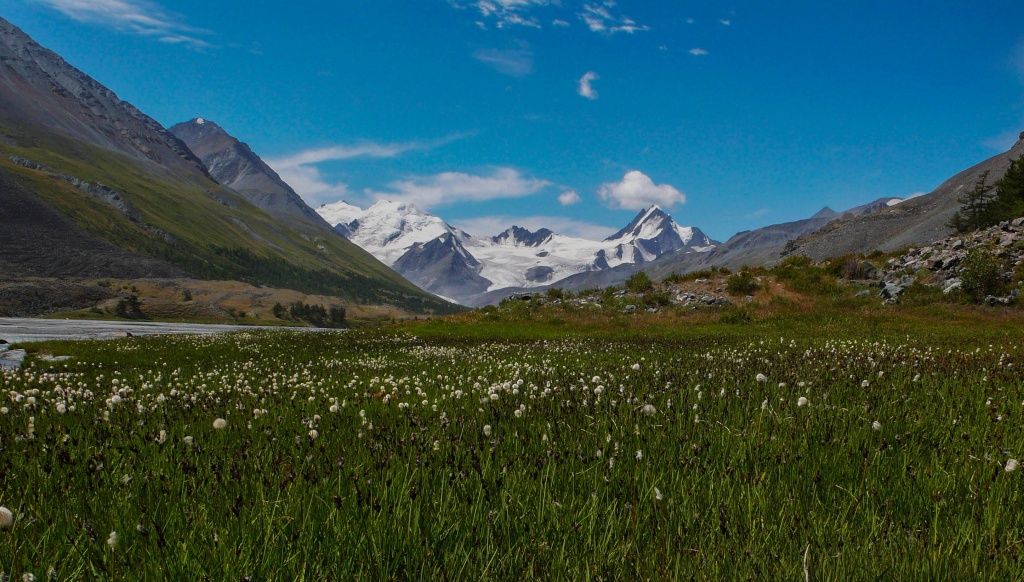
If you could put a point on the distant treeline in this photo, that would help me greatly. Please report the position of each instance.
(315, 315)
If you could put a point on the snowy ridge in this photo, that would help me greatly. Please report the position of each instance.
(399, 235)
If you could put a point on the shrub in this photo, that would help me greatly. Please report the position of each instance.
(981, 275)
(639, 283)
(742, 283)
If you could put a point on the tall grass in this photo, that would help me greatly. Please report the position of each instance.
(893, 467)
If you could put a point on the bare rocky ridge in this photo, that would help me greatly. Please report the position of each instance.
(235, 165)
(39, 88)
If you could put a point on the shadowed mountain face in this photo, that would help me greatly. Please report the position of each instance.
(235, 165)
(99, 189)
(40, 89)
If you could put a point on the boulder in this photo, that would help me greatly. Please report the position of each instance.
(891, 291)
(952, 285)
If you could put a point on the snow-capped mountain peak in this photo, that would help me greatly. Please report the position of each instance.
(519, 236)
(447, 261)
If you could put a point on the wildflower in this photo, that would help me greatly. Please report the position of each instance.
(4, 410)
(876, 425)
(112, 540)
(636, 367)
(188, 440)
(649, 410)
(764, 405)
(487, 430)
(518, 413)
(802, 401)
(639, 455)
(599, 453)
(220, 424)
(313, 434)
(762, 378)
(657, 494)
(28, 577)
(334, 408)
(865, 384)
(1011, 465)
(160, 438)
(6, 518)
(61, 408)
(437, 446)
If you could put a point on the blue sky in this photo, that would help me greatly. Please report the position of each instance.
(572, 114)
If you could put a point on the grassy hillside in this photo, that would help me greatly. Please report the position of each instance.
(191, 222)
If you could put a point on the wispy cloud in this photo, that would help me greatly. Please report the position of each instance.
(492, 225)
(505, 13)
(455, 187)
(637, 191)
(599, 18)
(569, 197)
(514, 62)
(586, 87)
(300, 170)
(1003, 141)
(698, 52)
(726, 22)
(141, 17)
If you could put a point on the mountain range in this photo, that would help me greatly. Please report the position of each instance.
(464, 267)
(92, 187)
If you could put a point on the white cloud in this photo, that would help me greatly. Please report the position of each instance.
(559, 22)
(599, 18)
(726, 22)
(569, 197)
(300, 170)
(515, 63)
(141, 17)
(586, 89)
(492, 225)
(452, 187)
(637, 191)
(312, 186)
(698, 52)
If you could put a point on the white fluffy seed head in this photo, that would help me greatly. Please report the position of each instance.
(876, 425)
(761, 378)
(802, 401)
(487, 430)
(649, 410)
(220, 424)
(6, 518)
(1011, 465)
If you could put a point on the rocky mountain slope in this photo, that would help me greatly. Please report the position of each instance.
(915, 222)
(467, 268)
(235, 165)
(96, 188)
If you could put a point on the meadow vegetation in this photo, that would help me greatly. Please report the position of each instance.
(529, 442)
